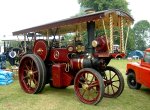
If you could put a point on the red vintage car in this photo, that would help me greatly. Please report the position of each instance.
(138, 73)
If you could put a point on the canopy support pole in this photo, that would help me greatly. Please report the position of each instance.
(25, 45)
(47, 37)
(105, 34)
(121, 36)
(127, 38)
(111, 33)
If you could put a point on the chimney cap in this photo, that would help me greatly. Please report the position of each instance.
(89, 11)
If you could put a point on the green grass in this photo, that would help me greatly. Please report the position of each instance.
(12, 97)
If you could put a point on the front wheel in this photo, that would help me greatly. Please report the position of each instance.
(89, 86)
(131, 81)
(32, 74)
(113, 81)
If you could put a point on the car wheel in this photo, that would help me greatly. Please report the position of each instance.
(131, 81)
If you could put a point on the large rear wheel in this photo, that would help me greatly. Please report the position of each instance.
(32, 74)
(89, 86)
(113, 81)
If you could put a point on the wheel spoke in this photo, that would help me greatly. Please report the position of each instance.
(26, 71)
(27, 67)
(91, 95)
(25, 77)
(116, 81)
(31, 64)
(30, 82)
(83, 78)
(109, 75)
(34, 78)
(92, 80)
(106, 85)
(35, 72)
(112, 88)
(83, 92)
(35, 82)
(81, 82)
(115, 86)
(108, 89)
(104, 77)
(95, 83)
(86, 76)
(88, 94)
(96, 91)
(113, 76)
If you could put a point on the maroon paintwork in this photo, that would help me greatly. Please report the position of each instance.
(102, 45)
(40, 48)
(61, 77)
(59, 55)
(118, 55)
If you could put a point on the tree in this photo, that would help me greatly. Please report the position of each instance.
(100, 5)
(142, 34)
(131, 41)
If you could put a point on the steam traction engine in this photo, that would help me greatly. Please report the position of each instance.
(84, 66)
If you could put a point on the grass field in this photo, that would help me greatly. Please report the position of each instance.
(12, 97)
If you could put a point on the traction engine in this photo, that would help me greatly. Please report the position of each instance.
(83, 65)
(71, 65)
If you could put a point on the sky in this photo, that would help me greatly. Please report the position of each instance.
(20, 14)
(139, 9)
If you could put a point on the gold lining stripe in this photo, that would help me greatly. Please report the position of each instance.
(82, 63)
(79, 63)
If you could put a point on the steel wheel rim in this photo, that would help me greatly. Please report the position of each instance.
(87, 88)
(28, 75)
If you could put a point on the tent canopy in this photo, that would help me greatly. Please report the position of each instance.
(136, 53)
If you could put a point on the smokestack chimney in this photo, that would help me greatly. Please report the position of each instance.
(89, 11)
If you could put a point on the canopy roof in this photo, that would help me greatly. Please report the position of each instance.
(79, 23)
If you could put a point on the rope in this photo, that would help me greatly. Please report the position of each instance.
(105, 34)
(67, 67)
(111, 34)
(121, 36)
(127, 38)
